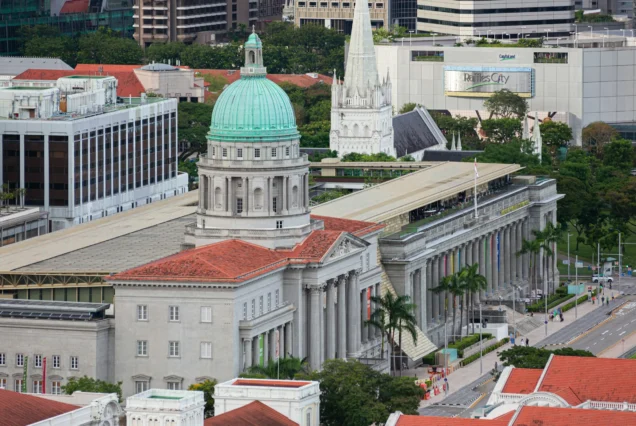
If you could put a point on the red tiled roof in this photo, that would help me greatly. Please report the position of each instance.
(253, 414)
(74, 6)
(128, 84)
(106, 68)
(271, 383)
(301, 80)
(355, 227)
(18, 409)
(544, 416)
(596, 379)
(522, 380)
(237, 260)
(447, 421)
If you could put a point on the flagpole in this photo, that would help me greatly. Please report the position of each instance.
(475, 193)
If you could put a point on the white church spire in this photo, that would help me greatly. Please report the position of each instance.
(362, 71)
(536, 136)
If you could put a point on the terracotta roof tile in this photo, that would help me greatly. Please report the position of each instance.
(74, 6)
(253, 414)
(316, 245)
(522, 380)
(447, 421)
(18, 409)
(355, 227)
(596, 379)
(128, 83)
(544, 416)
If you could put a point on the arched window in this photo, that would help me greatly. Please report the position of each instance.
(204, 188)
(295, 196)
(258, 198)
(252, 57)
(218, 199)
(308, 417)
(345, 131)
(356, 130)
(367, 132)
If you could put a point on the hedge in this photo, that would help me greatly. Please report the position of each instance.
(553, 300)
(581, 299)
(489, 349)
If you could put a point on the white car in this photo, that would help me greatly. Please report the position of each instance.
(603, 280)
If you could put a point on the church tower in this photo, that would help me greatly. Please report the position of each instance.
(253, 181)
(361, 110)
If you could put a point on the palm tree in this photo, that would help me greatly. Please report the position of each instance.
(473, 282)
(450, 284)
(396, 315)
(532, 248)
(544, 245)
(285, 368)
(551, 234)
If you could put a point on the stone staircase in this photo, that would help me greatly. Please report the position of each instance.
(414, 351)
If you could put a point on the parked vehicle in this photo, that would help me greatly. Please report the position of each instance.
(602, 280)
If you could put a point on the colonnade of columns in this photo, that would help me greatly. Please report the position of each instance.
(496, 254)
(276, 341)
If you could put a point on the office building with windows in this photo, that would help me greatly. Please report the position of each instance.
(493, 19)
(338, 14)
(577, 86)
(82, 153)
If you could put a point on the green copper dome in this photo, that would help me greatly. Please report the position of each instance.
(253, 109)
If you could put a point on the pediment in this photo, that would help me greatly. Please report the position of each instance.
(141, 377)
(346, 245)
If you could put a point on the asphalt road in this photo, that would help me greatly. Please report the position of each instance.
(621, 325)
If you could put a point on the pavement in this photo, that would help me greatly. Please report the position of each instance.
(469, 386)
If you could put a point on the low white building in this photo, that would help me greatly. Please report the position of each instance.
(156, 407)
(296, 399)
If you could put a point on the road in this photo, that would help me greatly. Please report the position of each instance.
(620, 325)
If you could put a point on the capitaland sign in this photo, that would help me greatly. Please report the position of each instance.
(507, 57)
(482, 82)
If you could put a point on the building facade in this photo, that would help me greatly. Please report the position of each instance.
(338, 14)
(577, 86)
(82, 154)
(57, 339)
(470, 20)
(361, 111)
(21, 224)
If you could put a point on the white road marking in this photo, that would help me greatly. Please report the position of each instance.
(594, 343)
(603, 338)
(587, 348)
(606, 331)
(622, 333)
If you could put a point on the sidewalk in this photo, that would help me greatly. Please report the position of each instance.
(466, 375)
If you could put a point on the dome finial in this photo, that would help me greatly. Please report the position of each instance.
(253, 29)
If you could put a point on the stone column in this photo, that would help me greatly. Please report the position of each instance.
(266, 348)
(270, 196)
(483, 268)
(247, 348)
(429, 294)
(495, 271)
(255, 351)
(371, 329)
(519, 240)
(475, 257)
(513, 253)
(284, 191)
(506, 256)
(331, 321)
(281, 341)
(323, 331)
(353, 326)
(342, 318)
(46, 173)
(378, 292)
(288, 339)
(525, 259)
(364, 332)
(441, 273)
(420, 297)
(315, 292)
(272, 344)
(244, 196)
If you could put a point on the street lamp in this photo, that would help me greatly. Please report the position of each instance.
(576, 281)
(411, 38)
(606, 29)
(514, 319)
(569, 235)
(576, 31)
(591, 31)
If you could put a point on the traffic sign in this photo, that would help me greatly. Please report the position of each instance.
(566, 261)
(579, 264)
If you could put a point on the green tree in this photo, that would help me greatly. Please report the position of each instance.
(6, 195)
(596, 135)
(406, 158)
(450, 284)
(517, 151)
(88, 384)
(531, 248)
(619, 154)
(531, 357)
(106, 46)
(329, 195)
(58, 46)
(366, 158)
(207, 387)
(407, 107)
(192, 169)
(506, 104)
(193, 126)
(473, 283)
(200, 56)
(555, 135)
(353, 394)
(502, 130)
(164, 52)
(284, 368)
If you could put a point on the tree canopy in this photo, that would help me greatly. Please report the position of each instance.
(207, 387)
(506, 104)
(89, 384)
(531, 357)
(193, 125)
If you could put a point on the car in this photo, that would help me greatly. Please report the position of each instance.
(603, 280)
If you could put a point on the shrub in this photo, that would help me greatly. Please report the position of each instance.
(553, 300)
(476, 356)
(429, 359)
(468, 341)
(580, 300)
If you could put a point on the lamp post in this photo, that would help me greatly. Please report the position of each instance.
(433, 34)
(545, 298)
(576, 31)
(481, 357)
(411, 38)
(576, 281)
(591, 31)
(607, 29)
(569, 235)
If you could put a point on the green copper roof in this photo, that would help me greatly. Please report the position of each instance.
(253, 109)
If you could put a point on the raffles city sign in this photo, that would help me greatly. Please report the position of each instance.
(482, 82)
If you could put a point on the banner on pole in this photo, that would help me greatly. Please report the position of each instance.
(261, 351)
(44, 375)
(277, 337)
(24, 374)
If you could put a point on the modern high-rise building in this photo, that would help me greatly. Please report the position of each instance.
(485, 19)
(338, 14)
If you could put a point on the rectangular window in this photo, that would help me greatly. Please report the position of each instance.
(174, 313)
(427, 56)
(286, 151)
(274, 205)
(17, 385)
(206, 314)
(37, 361)
(3, 383)
(19, 360)
(213, 151)
(277, 294)
(174, 386)
(279, 224)
(37, 386)
(173, 349)
(239, 153)
(368, 261)
(74, 363)
(56, 388)
(239, 205)
(253, 308)
(257, 153)
(224, 152)
(142, 313)
(142, 348)
(260, 305)
(245, 310)
(273, 152)
(206, 349)
(3, 359)
(56, 361)
(550, 58)
(141, 386)
(269, 302)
